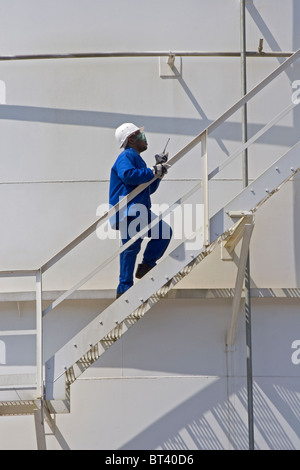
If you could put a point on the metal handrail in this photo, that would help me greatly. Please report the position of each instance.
(208, 130)
(128, 54)
(253, 139)
(173, 160)
(200, 137)
(124, 247)
(19, 273)
(39, 323)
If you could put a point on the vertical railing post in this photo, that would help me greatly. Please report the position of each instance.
(204, 164)
(39, 337)
(247, 272)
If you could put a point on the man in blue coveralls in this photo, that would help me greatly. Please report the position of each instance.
(128, 172)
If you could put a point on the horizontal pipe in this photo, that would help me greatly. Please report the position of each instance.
(96, 55)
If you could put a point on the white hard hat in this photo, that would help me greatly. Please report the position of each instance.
(124, 131)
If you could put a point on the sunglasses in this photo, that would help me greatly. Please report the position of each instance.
(140, 136)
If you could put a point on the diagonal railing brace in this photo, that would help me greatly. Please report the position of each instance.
(248, 229)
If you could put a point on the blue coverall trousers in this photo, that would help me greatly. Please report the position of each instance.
(159, 235)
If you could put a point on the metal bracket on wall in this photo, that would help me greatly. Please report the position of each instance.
(170, 68)
(260, 45)
(240, 277)
(228, 246)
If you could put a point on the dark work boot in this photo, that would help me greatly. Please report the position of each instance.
(142, 269)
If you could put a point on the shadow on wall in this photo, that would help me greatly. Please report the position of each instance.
(198, 424)
(266, 33)
(278, 135)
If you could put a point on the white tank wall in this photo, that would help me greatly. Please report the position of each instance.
(169, 383)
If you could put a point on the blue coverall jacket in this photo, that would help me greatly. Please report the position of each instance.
(128, 172)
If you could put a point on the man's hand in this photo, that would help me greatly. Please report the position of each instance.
(161, 157)
(161, 169)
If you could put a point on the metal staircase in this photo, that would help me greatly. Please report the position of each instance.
(87, 346)
(225, 227)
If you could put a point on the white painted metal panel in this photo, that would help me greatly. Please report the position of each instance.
(57, 124)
